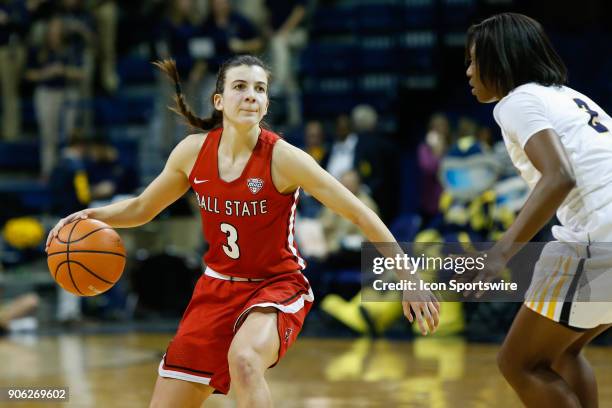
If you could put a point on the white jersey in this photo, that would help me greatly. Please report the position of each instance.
(585, 131)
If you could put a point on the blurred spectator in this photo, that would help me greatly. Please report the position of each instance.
(17, 308)
(230, 32)
(39, 12)
(361, 148)
(285, 38)
(78, 23)
(342, 237)
(142, 13)
(314, 145)
(225, 33)
(106, 15)
(314, 141)
(430, 153)
(342, 154)
(375, 160)
(80, 32)
(177, 31)
(485, 137)
(13, 20)
(56, 69)
(69, 183)
(70, 192)
(468, 174)
(107, 176)
(466, 127)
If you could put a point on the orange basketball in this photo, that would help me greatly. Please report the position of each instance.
(87, 257)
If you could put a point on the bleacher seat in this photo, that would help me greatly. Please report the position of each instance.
(330, 20)
(378, 54)
(416, 51)
(23, 197)
(378, 90)
(325, 59)
(378, 18)
(458, 13)
(20, 156)
(134, 69)
(124, 109)
(417, 14)
(326, 97)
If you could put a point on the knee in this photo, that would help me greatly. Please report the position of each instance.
(505, 363)
(245, 365)
(568, 360)
(510, 365)
(518, 368)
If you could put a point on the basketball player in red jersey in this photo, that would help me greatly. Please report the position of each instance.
(250, 304)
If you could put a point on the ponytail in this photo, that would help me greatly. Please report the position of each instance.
(168, 67)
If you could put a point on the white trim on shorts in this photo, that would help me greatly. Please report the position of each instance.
(179, 375)
(213, 274)
(555, 291)
(292, 308)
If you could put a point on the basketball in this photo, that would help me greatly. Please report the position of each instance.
(86, 258)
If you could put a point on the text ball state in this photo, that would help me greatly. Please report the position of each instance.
(87, 257)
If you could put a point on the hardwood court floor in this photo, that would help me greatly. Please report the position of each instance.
(120, 370)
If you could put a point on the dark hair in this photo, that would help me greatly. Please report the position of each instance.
(511, 50)
(168, 66)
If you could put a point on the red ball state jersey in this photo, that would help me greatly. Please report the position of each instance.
(248, 224)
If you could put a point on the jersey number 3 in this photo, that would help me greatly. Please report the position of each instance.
(231, 249)
(594, 122)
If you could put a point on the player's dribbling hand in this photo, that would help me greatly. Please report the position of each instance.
(425, 308)
(83, 214)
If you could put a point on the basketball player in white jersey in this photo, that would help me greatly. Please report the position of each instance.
(560, 141)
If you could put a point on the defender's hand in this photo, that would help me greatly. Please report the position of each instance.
(426, 309)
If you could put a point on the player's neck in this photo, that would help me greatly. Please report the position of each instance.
(238, 141)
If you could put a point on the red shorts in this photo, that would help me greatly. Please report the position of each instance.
(198, 352)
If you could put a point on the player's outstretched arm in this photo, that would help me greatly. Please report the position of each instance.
(293, 168)
(168, 187)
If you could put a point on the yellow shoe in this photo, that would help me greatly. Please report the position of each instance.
(348, 313)
(383, 314)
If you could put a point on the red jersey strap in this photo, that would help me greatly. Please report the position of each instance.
(212, 134)
(263, 152)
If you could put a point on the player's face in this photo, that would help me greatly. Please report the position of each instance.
(244, 101)
(479, 90)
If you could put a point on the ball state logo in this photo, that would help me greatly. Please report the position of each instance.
(255, 185)
(288, 333)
